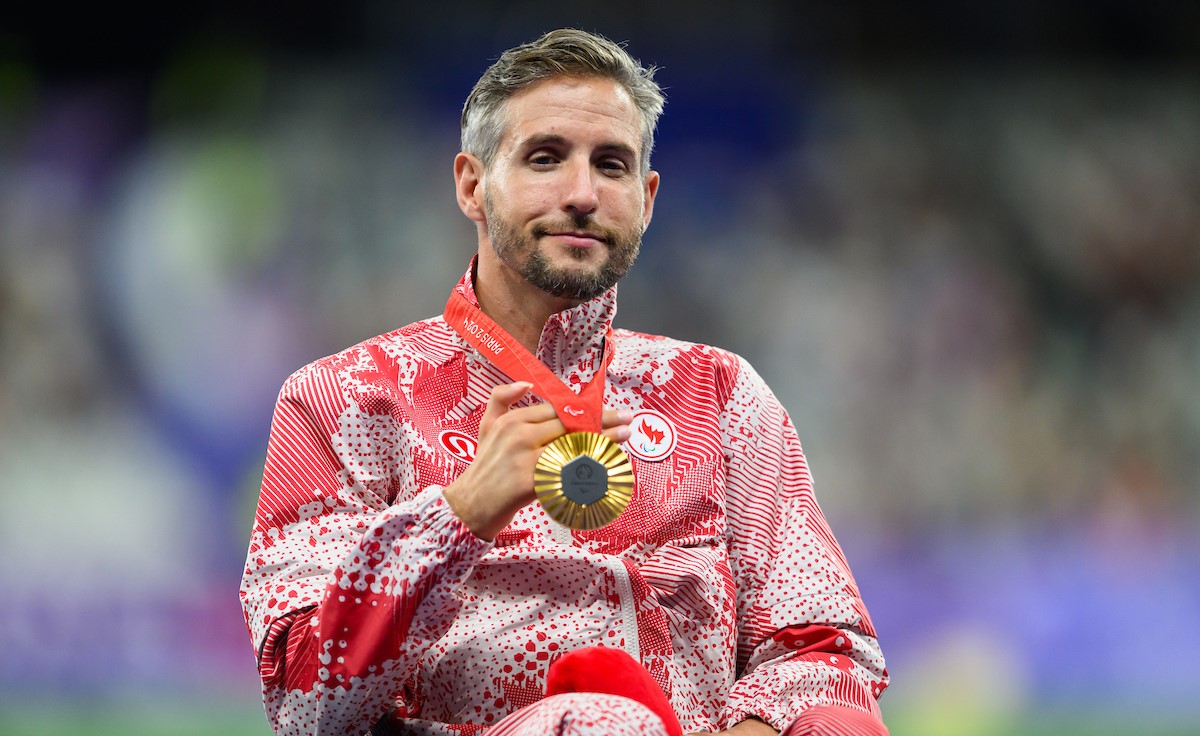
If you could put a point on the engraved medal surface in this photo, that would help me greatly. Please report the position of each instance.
(583, 480)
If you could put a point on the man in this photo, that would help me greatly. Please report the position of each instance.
(400, 577)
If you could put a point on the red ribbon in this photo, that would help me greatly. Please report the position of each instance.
(580, 412)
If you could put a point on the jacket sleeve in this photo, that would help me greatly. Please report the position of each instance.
(805, 643)
(342, 590)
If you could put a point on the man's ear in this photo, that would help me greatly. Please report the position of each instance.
(650, 192)
(468, 185)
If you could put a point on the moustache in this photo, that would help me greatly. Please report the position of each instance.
(602, 234)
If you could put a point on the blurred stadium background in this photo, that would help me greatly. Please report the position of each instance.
(961, 241)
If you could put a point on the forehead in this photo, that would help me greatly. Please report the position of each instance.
(589, 107)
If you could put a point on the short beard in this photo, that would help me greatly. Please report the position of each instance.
(521, 253)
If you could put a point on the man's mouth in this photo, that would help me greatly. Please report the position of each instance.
(578, 238)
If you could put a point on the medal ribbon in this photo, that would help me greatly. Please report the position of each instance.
(578, 412)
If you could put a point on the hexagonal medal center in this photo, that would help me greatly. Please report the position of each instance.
(584, 480)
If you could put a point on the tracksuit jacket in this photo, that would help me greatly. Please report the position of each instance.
(371, 605)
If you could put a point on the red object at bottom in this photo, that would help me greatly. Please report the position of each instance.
(611, 671)
(836, 720)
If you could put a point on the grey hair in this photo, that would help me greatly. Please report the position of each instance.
(566, 52)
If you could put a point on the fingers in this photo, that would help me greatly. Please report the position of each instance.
(544, 422)
(615, 417)
(616, 424)
(618, 434)
(529, 427)
(502, 399)
(541, 419)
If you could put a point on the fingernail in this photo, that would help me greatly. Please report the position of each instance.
(623, 433)
(624, 416)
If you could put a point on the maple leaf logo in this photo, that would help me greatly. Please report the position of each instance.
(655, 435)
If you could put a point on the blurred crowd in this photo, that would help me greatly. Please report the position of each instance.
(977, 291)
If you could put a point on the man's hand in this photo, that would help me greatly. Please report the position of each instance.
(748, 727)
(499, 482)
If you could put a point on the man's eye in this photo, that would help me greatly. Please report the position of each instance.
(542, 159)
(613, 165)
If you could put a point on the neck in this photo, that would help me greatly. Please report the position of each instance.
(516, 305)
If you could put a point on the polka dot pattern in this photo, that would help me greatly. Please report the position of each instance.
(370, 603)
(582, 714)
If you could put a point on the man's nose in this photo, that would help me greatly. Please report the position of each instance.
(580, 196)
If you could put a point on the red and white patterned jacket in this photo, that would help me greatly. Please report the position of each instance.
(368, 599)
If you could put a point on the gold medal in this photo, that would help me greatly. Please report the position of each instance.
(583, 480)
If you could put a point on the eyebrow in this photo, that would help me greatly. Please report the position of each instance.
(552, 139)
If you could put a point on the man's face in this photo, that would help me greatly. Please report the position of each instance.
(565, 202)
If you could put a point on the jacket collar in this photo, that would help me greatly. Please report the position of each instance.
(572, 341)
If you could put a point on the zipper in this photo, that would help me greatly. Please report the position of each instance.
(628, 610)
(629, 631)
(561, 534)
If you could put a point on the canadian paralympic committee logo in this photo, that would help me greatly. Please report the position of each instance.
(652, 436)
(459, 444)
